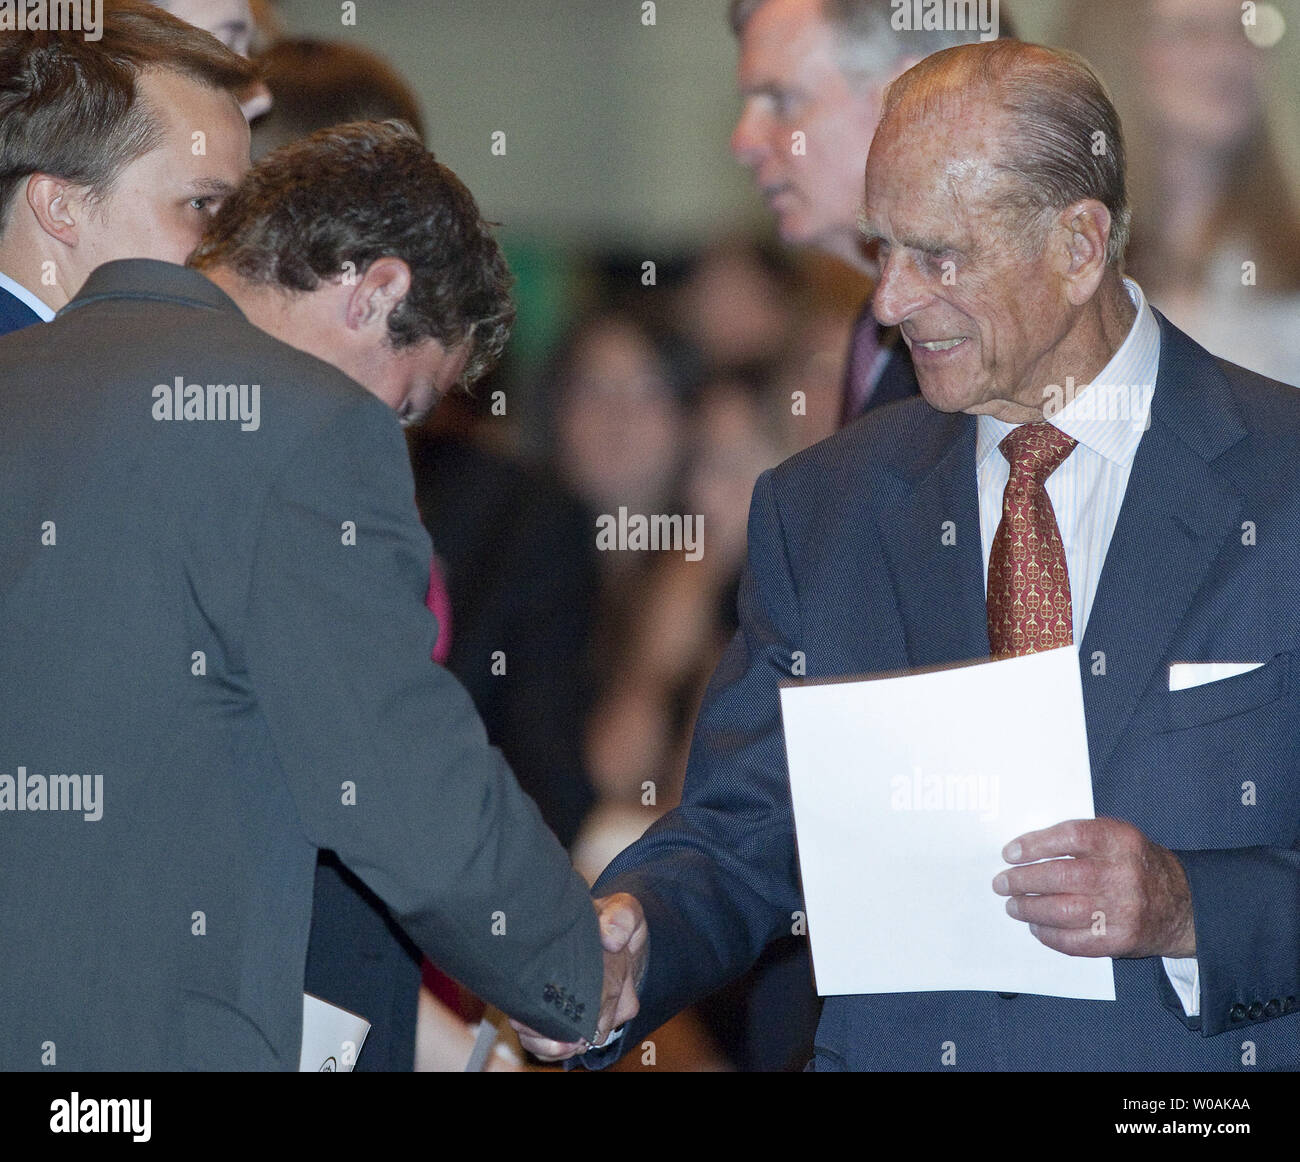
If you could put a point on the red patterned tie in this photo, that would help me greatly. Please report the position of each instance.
(1029, 588)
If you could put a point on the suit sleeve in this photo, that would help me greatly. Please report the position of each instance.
(718, 876)
(384, 754)
(1246, 906)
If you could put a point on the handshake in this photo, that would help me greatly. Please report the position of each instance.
(625, 940)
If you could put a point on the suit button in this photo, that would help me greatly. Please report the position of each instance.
(1255, 1011)
(1288, 1005)
(1273, 1008)
(1237, 1013)
(1008, 996)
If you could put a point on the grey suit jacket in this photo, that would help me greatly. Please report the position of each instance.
(218, 626)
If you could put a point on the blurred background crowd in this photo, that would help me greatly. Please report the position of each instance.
(669, 348)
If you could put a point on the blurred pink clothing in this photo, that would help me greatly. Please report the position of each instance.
(438, 601)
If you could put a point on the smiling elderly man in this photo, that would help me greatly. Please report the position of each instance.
(996, 189)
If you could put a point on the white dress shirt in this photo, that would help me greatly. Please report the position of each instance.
(1107, 419)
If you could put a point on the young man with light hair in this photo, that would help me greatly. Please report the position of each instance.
(120, 147)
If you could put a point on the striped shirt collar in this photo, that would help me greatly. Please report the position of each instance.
(24, 296)
(1111, 414)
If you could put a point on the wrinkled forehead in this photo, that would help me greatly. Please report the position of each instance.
(929, 150)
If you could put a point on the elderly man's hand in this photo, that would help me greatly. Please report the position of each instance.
(1119, 894)
(625, 938)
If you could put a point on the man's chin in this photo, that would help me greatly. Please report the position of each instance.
(942, 395)
(792, 224)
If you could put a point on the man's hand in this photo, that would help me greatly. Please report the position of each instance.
(1119, 894)
(625, 939)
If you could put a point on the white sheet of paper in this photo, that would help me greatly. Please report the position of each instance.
(905, 791)
(331, 1037)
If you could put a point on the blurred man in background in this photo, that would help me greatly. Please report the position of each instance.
(811, 76)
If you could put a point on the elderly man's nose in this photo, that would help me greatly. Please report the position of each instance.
(899, 292)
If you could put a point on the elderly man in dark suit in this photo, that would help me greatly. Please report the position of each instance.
(216, 658)
(1064, 425)
(817, 69)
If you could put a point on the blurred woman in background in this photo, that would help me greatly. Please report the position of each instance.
(1203, 92)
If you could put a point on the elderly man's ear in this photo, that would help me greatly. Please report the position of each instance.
(1083, 229)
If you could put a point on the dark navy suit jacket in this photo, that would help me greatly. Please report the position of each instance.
(14, 313)
(847, 565)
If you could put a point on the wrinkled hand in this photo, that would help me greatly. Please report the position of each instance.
(625, 939)
(1119, 894)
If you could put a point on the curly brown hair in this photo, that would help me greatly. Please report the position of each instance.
(358, 192)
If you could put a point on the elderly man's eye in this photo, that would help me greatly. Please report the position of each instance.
(941, 260)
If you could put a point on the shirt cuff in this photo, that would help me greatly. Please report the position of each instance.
(1185, 977)
(610, 1037)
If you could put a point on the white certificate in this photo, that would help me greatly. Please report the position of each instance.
(905, 791)
(331, 1037)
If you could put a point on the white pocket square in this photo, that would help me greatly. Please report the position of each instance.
(1185, 675)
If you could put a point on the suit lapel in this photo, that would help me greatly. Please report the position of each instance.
(1177, 513)
(939, 586)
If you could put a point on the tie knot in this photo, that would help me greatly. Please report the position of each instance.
(1036, 450)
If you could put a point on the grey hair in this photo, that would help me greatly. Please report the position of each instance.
(1063, 141)
(868, 44)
